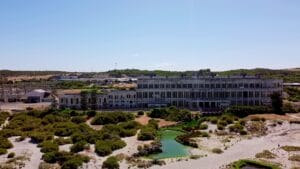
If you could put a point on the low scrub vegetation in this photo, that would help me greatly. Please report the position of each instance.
(67, 160)
(217, 151)
(266, 154)
(295, 157)
(243, 111)
(147, 149)
(171, 114)
(111, 163)
(103, 118)
(294, 94)
(148, 132)
(3, 117)
(291, 148)
(254, 164)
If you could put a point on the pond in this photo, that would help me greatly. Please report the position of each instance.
(170, 147)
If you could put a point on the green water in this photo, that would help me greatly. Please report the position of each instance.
(170, 147)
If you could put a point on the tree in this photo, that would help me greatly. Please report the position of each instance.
(277, 103)
(84, 100)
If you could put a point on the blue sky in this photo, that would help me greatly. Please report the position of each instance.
(99, 35)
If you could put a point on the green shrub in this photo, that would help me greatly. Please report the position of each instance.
(203, 127)
(237, 127)
(78, 119)
(266, 154)
(78, 146)
(243, 111)
(111, 163)
(291, 148)
(71, 164)
(3, 117)
(48, 146)
(217, 150)
(204, 134)
(62, 141)
(102, 148)
(147, 134)
(3, 151)
(171, 113)
(111, 118)
(5, 143)
(76, 137)
(91, 113)
(49, 157)
(11, 155)
(140, 113)
(39, 137)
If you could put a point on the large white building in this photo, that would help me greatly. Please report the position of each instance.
(189, 92)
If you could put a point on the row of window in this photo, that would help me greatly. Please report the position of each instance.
(194, 95)
(211, 86)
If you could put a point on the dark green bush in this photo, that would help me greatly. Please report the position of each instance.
(91, 113)
(49, 157)
(39, 137)
(5, 143)
(62, 141)
(48, 146)
(243, 111)
(140, 113)
(102, 148)
(111, 118)
(11, 155)
(111, 163)
(78, 146)
(78, 119)
(172, 114)
(3, 151)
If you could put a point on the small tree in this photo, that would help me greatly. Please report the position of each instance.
(111, 163)
(277, 103)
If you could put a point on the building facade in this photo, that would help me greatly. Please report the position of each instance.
(107, 99)
(206, 92)
(186, 92)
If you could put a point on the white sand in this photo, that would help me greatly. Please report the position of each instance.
(25, 148)
(285, 134)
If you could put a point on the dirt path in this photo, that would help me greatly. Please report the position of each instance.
(161, 122)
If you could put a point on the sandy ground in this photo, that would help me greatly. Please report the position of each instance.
(95, 127)
(19, 106)
(25, 148)
(162, 123)
(286, 134)
(276, 116)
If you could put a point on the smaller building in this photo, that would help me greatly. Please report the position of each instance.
(37, 96)
(106, 99)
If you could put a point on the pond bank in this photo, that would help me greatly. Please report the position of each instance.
(170, 147)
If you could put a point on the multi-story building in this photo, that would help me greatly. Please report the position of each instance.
(188, 92)
(206, 92)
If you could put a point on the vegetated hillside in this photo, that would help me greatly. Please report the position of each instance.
(8, 73)
(137, 72)
(288, 75)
